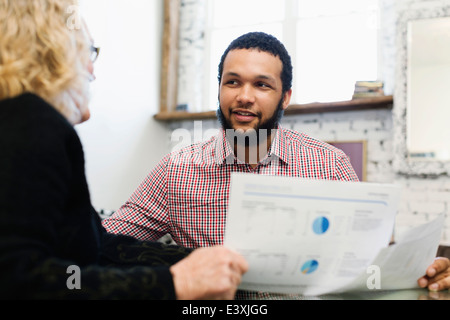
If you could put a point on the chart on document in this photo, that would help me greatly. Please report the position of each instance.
(307, 236)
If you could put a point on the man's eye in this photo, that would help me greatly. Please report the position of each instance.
(263, 85)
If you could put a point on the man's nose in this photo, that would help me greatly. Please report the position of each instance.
(246, 94)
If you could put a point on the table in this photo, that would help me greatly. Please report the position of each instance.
(407, 294)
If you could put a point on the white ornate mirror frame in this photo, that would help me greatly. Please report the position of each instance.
(402, 162)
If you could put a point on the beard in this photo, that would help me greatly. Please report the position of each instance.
(263, 130)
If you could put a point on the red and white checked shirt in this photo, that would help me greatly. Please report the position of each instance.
(187, 193)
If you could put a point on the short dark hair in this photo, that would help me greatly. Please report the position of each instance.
(266, 43)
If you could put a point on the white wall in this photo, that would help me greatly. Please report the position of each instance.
(122, 141)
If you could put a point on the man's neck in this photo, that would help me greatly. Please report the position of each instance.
(253, 154)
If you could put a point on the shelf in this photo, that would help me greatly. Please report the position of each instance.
(384, 102)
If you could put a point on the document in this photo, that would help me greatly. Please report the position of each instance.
(401, 264)
(315, 237)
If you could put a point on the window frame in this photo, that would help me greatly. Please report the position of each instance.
(169, 59)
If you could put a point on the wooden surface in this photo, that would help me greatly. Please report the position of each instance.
(169, 56)
(385, 102)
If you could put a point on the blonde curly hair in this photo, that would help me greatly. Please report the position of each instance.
(42, 51)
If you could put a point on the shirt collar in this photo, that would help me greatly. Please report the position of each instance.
(278, 149)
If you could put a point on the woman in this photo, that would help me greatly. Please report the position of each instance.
(52, 244)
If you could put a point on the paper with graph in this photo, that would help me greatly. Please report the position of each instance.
(308, 237)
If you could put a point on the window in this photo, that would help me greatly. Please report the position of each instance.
(332, 43)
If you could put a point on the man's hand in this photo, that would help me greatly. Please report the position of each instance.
(437, 276)
(208, 273)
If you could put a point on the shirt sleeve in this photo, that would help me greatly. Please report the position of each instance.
(123, 250)
(344, 169)
(145, 214)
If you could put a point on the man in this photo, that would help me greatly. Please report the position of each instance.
(187, 193)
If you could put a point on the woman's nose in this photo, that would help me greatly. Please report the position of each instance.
(91, 71)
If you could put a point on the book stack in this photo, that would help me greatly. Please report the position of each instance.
(368, 89)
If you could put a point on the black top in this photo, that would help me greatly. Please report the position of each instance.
(47, 222)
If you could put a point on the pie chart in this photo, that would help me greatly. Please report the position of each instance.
(309, 266)
(321, 225)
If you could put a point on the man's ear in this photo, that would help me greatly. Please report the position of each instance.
(287, 99)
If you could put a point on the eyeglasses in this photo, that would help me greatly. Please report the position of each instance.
(95, 51)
